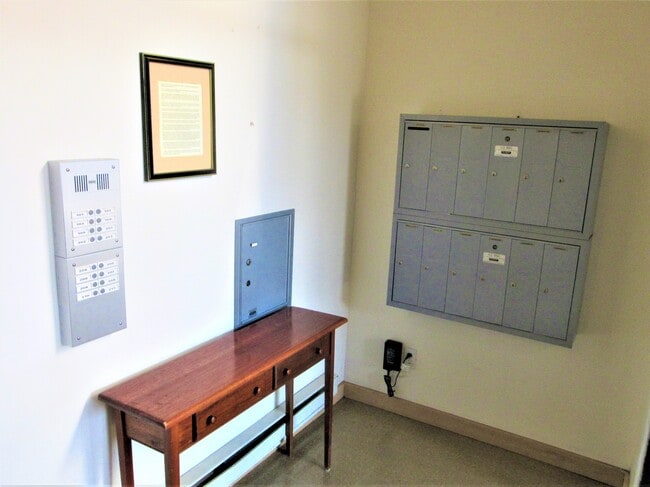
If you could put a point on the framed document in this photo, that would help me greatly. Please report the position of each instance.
(177, 117)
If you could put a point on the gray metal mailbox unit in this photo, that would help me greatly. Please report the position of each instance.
(493, 221)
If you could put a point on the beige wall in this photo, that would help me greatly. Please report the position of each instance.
(583, 61)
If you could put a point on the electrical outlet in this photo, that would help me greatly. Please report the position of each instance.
(413, 358)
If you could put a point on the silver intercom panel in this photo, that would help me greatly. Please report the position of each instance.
(86, 219)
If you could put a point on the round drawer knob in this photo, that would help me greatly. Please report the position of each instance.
(319, 351)
(286, 372)
(256, 390)
(211, 419)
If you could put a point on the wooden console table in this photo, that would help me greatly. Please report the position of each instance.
(173, 406)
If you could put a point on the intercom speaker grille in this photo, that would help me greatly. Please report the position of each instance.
(103, 182)
(80, 184)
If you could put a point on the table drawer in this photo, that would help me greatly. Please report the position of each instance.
(226, 408)
(301, 361)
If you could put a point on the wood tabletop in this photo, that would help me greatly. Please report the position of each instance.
(176, 389)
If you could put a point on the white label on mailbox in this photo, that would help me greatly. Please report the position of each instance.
(491, 258)
(506, 150)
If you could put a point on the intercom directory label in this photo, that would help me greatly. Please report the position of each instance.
(97, 278)
(86, 219)
(88, 225)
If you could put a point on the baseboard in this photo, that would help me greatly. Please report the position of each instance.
(536, 450)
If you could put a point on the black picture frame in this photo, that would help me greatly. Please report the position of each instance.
(178, 117)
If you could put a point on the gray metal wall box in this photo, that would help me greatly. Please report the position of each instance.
(493, 219)
(263, 265)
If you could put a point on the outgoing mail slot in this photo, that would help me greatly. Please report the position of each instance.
(226, 408)
(301, 361)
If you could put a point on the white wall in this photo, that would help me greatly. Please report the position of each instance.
(574, 60)
(288, 86)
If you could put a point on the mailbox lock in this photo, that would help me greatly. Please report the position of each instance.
(560, 180)
(494, 173)
(463, 171)
(434, 168)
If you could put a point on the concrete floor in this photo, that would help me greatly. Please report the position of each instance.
(375, 447)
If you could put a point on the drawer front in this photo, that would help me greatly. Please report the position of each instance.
(301, 361)
(233, 404)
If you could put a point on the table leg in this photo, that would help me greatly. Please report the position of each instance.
(124, 448)
(329, 402)
(288, 429)
(172, 458)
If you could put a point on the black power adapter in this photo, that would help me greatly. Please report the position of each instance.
(392, 355)
(392, 361)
